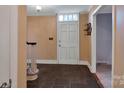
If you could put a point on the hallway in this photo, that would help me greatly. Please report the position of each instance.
(63, 76)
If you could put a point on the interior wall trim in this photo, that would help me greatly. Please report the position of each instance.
(81, 62)
(104, 61)
(46, 61)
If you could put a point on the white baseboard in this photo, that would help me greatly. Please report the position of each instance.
(55, 62)
(47, 62)
(81, 62)
(90, 68)
(102, 61)
(87, 64)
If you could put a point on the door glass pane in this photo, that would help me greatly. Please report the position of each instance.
(60, 17)
(75, 17)
(70, 17)
(65, 17)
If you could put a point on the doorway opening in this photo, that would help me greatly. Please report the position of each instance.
(103, 58)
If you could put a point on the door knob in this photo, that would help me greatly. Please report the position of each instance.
(59, 45)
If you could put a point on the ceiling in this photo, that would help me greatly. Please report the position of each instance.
(54, 9)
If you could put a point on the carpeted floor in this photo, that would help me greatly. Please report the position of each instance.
(103, 72)
(63, 76)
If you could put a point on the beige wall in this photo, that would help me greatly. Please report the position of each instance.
(40, 28)
(21, 46)
(84, 39)
(119, 47)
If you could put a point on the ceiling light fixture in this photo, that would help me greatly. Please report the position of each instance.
(38, 8)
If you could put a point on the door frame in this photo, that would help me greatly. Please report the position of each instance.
(58, 38)
(14, 45)
(93, 40)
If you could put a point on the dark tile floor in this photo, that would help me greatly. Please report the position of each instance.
(104, 73)
(63, 76)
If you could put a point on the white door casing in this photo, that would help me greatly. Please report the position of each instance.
(68, 42)
(93, 40)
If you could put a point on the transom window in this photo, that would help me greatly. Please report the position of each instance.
(68, 17)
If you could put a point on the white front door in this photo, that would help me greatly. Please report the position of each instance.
(4, 44)
(68, 42)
